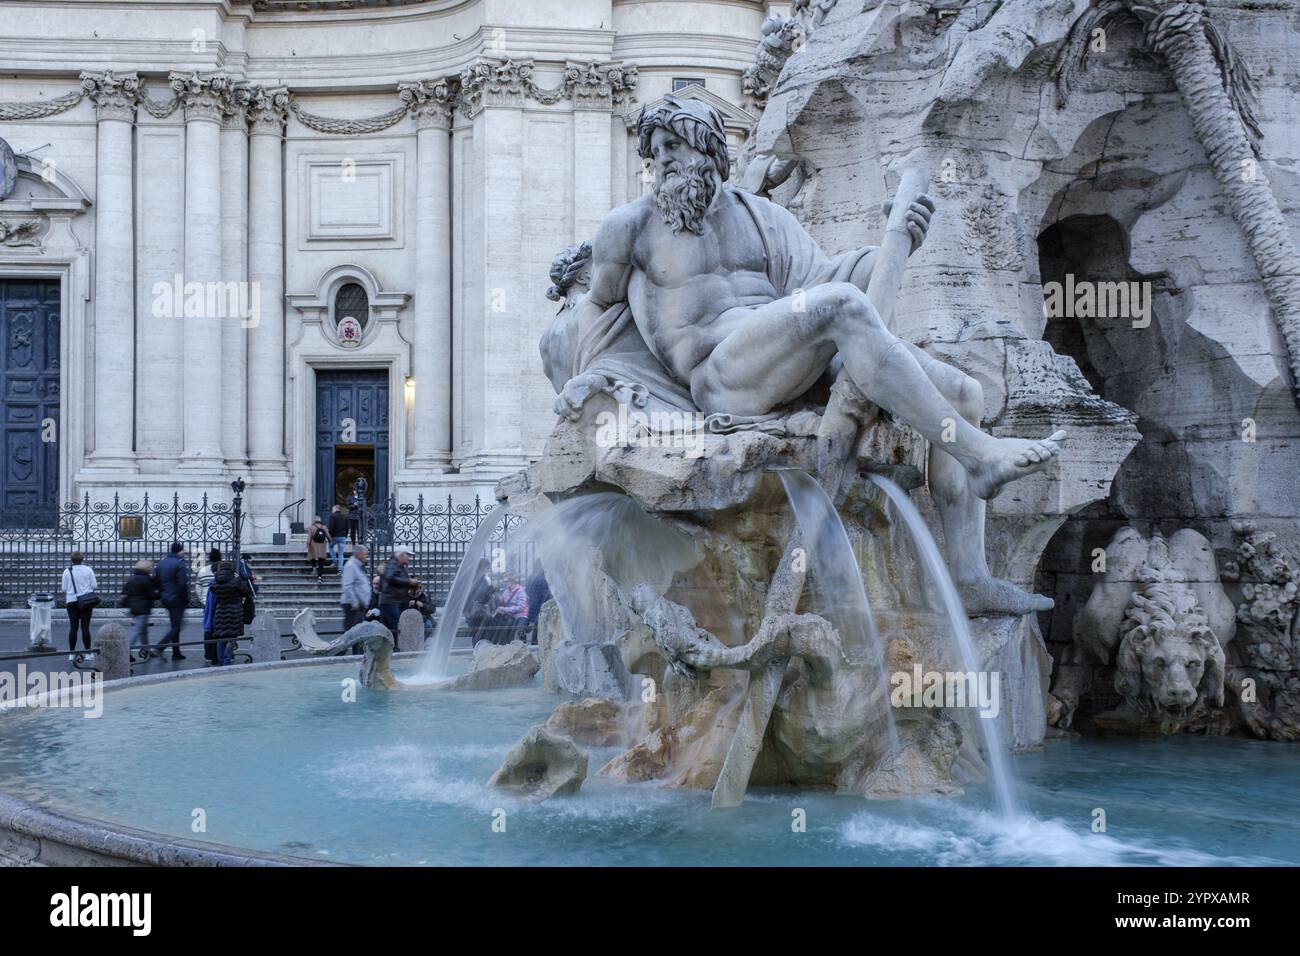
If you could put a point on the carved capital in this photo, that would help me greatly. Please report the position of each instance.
(268, 109)
(495, 83)
(430, 102)
(599, 85)
(114, 94)
(235, 99)
(201, 96)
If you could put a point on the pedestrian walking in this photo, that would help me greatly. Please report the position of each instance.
(138, 594)
(229, 593)
(318, 543)
(338, 529)
(78, 588)
(203, 581)
(357, 591)
(174, 591)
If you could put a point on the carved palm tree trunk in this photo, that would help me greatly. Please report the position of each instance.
(1178, 32)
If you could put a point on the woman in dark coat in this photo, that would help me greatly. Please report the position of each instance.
(229, 591)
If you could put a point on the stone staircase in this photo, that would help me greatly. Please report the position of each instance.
(287, 585)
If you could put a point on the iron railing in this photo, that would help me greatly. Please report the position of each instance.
(438, 535)
(113, 535)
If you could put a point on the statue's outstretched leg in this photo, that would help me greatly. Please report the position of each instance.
(961, 511)
(780, 349)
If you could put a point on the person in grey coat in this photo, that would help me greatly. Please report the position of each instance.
(356, 588)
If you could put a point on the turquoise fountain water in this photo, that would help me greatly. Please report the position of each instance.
(281, 762)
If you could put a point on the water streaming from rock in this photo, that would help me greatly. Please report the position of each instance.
(835, 576)
(927, 551)
(438, 655)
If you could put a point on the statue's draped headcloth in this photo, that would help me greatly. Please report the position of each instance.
(696, 122)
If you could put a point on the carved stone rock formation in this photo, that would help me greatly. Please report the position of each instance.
(1264, 672)
(496, 665)
(593, 721)
(542, 765)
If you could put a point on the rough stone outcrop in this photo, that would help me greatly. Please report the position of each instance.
(593, 721)
(542, 765)
(496, 665)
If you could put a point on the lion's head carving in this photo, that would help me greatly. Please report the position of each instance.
(1169, 661)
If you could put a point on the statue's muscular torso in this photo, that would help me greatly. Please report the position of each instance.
(687, 292)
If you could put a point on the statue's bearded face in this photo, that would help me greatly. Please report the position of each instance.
(686, 180)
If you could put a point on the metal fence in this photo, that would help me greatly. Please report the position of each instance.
(35, 543)
(438, 535)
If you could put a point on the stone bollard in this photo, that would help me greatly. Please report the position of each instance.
(113, 641)
(265, 635)
(410, 631)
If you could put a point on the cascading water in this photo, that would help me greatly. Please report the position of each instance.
(927, 551)
(634, 548)
(841, 593)
(438, 655)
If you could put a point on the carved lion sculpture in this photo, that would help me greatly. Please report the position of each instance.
(1160, 615)
(1169, 662)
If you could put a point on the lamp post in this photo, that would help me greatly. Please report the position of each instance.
(237, 486)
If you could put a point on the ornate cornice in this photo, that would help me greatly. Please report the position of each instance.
(268, 109)
(221, 98)
(114, 94)
(430, 102)
(203, 97)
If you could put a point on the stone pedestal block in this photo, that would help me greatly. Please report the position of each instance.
(410, 631)
(264, 632)
(113, 641)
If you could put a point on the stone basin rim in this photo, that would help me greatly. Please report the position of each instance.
(31, 833)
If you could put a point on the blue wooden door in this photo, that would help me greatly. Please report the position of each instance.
(29, 357)
(351, 434)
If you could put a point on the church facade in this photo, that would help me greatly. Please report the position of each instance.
(301, 242)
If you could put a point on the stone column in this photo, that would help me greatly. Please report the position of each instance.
(234, 267)
(597, 90)
(493, 95)
(430, 439)
(114, 97)
(268, 112)
(201, 98)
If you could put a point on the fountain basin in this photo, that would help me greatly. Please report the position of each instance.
(286, 772)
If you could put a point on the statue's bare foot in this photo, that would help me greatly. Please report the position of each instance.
(988, 596)
(1013, 458)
